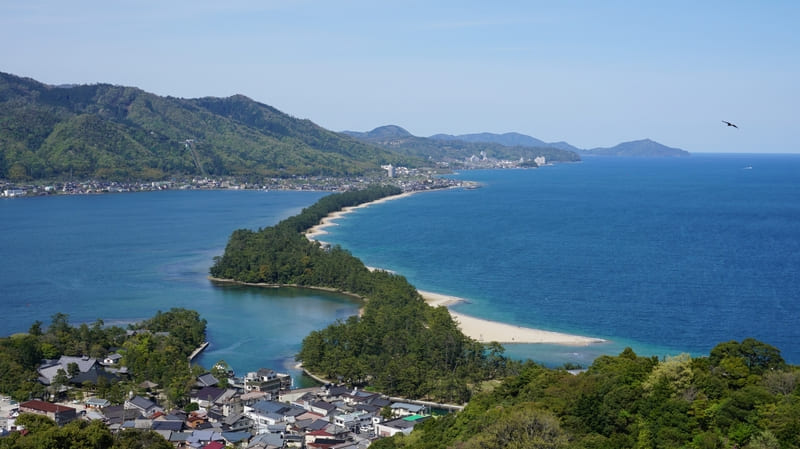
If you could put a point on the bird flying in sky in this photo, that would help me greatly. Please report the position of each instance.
(730, 124)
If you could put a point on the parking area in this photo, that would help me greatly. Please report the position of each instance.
(7, 406)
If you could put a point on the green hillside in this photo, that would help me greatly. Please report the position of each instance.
(115, 132)
(397, 139)
(637, 148)
(742, 395)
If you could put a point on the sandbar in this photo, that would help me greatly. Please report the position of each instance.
(330, 220)
(487, 331)
(476, 328)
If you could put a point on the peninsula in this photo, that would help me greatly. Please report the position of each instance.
(399, 344)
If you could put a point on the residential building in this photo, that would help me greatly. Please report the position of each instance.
(61, 414)
(144, 406)
(400, 425)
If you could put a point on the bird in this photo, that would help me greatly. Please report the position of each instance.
(730, 124)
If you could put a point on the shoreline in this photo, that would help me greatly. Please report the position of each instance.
(479, 329)
(268, 285)
(330, 220)
(486, 331)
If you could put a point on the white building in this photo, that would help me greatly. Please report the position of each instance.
(389, 170)
(10, 193)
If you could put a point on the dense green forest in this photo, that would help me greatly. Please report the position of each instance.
(742, 395)
(281, 254)
(149, 349)
(43, 433)
(112, 132)
(399, 345)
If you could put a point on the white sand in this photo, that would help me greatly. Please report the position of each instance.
(476, 328)
(487, 331)
(330, 220)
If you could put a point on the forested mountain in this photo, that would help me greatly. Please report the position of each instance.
(507, 139)
(116, 132)
(637, 148)
(645, 147)
(439, 148)
(113, 132)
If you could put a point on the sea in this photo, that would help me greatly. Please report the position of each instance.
(123, 257)
(662, 255)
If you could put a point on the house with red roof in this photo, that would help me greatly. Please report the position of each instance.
(61, 414)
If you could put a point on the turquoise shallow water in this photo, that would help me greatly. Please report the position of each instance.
(122, 257)
(663, 255)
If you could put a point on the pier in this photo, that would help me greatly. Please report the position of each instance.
(197, 351)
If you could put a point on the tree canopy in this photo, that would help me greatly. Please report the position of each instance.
(399, 345)
(43, 433)
(103, 131)
(149, 349)
(629, 401)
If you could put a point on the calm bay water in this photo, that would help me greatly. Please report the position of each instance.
(663, 255)
(123, 257)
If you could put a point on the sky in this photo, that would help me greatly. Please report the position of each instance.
(591, 73)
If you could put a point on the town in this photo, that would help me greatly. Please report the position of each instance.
(309, 183)
(257, 411)
(408, 179)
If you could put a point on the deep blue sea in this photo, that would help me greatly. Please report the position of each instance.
(662, 255)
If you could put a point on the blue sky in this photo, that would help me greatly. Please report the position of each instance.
(592, 73)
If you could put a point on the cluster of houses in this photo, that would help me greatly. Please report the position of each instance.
(482, 161)
(257, 411)
(403, 177)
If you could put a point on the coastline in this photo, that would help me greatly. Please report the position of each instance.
(478, 329)
(330, 220)
(267, 285)
(486, 331)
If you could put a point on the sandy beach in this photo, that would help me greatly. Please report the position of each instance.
(476, 328)
(330, 220)
(487, 331)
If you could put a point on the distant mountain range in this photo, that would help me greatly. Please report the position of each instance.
(114, 132)
(105, 131)
(455, 149)
(638, 148)
(507, 139)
